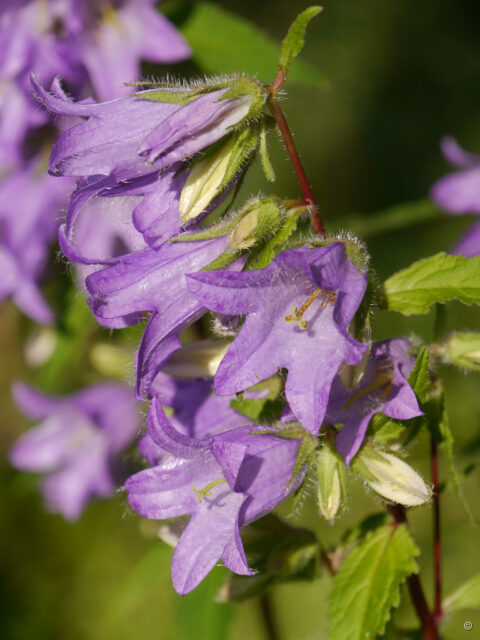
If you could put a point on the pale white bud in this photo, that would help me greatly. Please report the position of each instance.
(394, 479)
(242, 237)
(197, 359)
(40, 346)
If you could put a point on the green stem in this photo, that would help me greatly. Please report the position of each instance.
(266, 608)
(437, 545)
(393, 218)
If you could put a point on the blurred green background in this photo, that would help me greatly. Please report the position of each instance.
(400, 76)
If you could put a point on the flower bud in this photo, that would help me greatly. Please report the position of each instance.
(197, 359)
(463, 350)
(392, 478)
(259, 222)
(40, 346)
(330, 487)
(211, 175)
(203, 183)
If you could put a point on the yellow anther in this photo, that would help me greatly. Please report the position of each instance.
(205, 492)
(296, 315)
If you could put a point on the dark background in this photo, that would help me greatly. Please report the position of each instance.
(400, 76)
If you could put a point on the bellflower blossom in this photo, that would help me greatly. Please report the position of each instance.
(153, 280)
(297, 312)
(135, 136)
(383, 389)
(113, 37)
(76, 443)
(30, 210)
(459, 193)
(99, 40)
(222, 483)
(197, 411)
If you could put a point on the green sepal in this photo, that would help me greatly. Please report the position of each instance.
(295, 39)
(307, 449)
(419, 378)
(245, 86)
(260, 410)
(246, 142)
(276, 244)
(267, 167)
(223, 260)
(386, 430)
(171, 97)
(216, 231)
(368, 584)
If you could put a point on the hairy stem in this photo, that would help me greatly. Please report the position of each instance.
(286, 134)
(266, 608)
(429, 626)
(437, 547)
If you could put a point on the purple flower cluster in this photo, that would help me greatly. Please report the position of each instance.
(76, 444)
(459, 193)
(92, 45)
(156, 163)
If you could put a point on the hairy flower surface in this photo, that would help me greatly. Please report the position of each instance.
(153, 280)
(135, 136)
(76, 443)
(222, 483)
(459, 193)
(383, 389)
(297, 311)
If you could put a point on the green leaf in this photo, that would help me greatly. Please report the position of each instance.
(419, 378)
(368, 584)
(386, 430)
(439, 278)
(295, 39)
(467, 596)
(235, 45)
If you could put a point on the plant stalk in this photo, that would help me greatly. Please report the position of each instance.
(429, 625)
(437, 546)
(307, 192)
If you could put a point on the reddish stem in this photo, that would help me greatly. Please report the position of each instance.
(281, 121)
(429, 626)
(437, 547)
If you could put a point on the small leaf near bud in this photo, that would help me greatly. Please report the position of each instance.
(391, 477)
(331, 481)
(463, 350)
